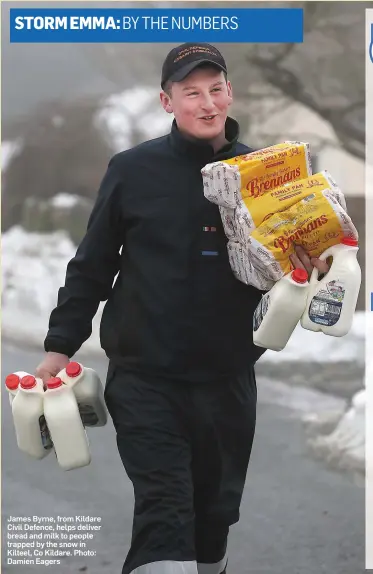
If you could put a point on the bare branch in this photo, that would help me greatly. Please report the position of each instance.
(351, 135)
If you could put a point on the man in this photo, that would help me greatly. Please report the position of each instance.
(177, 326)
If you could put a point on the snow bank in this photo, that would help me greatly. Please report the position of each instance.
(344, 445)
(33, 269)
(314, 347)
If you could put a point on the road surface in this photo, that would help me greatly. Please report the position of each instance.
(297, 517)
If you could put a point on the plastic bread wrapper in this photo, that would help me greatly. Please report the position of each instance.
(253, 211)
(227, 182)
(227, 215)
(244, 270)
(316, 223)
(221, 184)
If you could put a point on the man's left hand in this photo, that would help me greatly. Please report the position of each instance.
(301, 259)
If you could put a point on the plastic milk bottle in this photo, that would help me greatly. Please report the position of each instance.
(88, 391)
(65, 425)
(331, 302)
(279, 310)
(31, 429)
(12, 383)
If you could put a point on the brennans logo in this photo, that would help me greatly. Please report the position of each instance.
(256, 189)
(284, 243)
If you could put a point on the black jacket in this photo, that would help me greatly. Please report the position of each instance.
(172, 311)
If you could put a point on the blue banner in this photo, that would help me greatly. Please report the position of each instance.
(82, 25)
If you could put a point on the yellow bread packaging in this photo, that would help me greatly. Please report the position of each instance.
(256, 209)
(316, 222)
(271, 167)
(227, 182)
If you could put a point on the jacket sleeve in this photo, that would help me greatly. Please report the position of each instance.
(91, 272)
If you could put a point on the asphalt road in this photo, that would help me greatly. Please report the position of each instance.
(297, 517)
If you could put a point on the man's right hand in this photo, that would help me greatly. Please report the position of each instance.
(51, 365)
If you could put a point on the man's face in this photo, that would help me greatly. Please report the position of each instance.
(200, 103)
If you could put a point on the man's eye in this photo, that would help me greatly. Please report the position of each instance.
(193, 94)
(216, 90)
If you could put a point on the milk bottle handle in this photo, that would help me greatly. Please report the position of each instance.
(315, 272)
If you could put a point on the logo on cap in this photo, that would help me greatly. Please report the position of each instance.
(194, 50)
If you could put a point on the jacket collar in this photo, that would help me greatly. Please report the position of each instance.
(202, 150)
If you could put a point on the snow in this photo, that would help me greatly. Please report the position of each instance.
(65, 200)
(344, 446)
(9, 150)
(33, 269)
(137, 109)
(314, 347)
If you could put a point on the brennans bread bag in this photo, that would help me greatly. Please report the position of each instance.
(316, 222)
(228, 182)
(255, 209)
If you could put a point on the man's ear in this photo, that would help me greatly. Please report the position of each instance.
(230, 92)
(166, 102)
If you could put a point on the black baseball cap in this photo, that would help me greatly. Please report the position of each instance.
(180, 61)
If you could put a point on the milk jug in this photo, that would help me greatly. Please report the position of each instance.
(88, 391)
(331, 302)
(32, 432)
(279, 311)
(12, 383)
(65, 425)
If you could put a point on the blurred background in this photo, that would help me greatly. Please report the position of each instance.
(66, 109)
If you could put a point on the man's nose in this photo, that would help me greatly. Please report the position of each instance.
(207, 103)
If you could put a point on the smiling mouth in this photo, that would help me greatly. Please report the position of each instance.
(207, 117)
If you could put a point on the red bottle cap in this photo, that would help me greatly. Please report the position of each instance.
(28, 382)
(299, 275)
(73, 369)
(349, 241)
(54, 383)
(12, 382)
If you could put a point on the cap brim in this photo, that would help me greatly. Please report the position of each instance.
(182, 73)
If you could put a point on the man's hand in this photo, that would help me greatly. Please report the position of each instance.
(51, 365)
(302, 260)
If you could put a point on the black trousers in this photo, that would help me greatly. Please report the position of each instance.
(186, 449)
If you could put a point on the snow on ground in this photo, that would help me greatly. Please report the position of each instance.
(307, 345)
(343, 443)
(33, 269)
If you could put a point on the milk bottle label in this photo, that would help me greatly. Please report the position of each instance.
(261, 311)
(88, 415)
(44, 431)
(326, 306)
